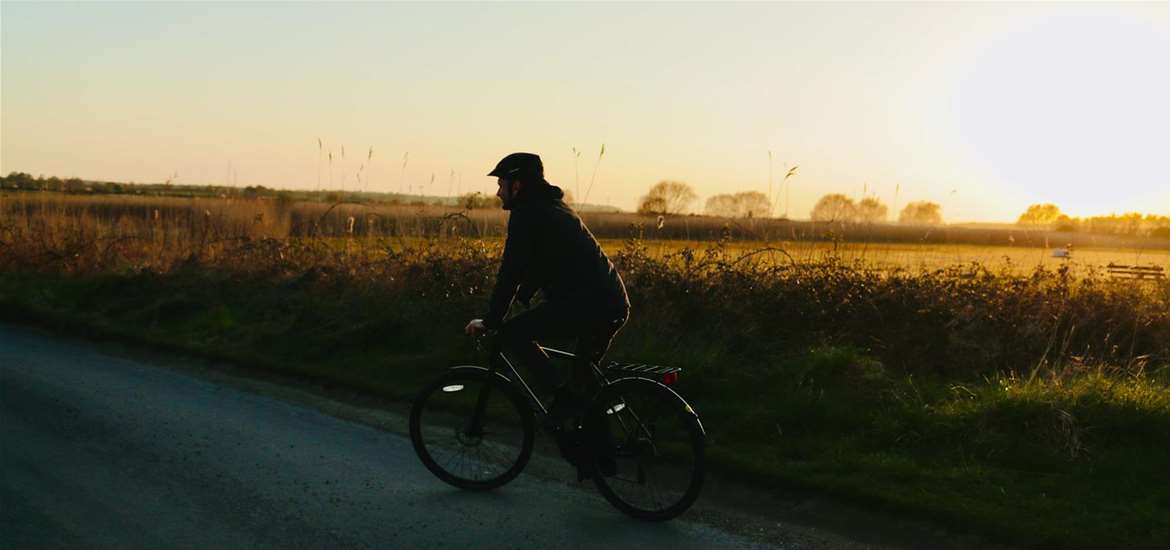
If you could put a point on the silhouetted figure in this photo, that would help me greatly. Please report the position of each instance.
(549, 249)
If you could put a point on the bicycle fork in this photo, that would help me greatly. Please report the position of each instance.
(475, 423)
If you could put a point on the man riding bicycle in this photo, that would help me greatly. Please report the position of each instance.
(549, 249)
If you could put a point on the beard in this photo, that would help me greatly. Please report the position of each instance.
(508, 199)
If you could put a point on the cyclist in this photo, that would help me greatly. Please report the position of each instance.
(549, 249)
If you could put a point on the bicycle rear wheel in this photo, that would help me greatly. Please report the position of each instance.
(657, 442)
(451, 446)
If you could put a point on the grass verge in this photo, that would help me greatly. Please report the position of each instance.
(1064, 456)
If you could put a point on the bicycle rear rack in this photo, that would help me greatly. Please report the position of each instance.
(666, 375)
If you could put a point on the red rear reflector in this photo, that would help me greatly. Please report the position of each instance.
(670, 378)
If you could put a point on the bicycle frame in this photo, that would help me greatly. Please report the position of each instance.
(499, 361)
(607, 437)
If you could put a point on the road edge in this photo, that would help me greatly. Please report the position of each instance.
(726, 503)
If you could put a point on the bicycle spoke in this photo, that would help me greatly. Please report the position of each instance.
(464, 451)
(654, 441)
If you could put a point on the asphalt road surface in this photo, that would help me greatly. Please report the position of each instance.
(104, 451)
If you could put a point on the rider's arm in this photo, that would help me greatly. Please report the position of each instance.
(518, 251)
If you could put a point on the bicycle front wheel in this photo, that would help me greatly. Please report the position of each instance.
(467, 450)
(654, 445)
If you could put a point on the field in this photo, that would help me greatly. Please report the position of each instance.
(928, 375)
(140, 223)
(897, 256)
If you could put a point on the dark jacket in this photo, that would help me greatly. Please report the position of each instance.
(550, 249)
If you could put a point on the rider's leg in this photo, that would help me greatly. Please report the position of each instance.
(520, 336)
(593, 339)
(592, 348)
(593, 331)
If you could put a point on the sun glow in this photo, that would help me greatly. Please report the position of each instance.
(1068, 109)
(982, 108)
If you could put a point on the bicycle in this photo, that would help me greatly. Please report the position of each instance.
(640, 442)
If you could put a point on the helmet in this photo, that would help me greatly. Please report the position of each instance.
(525, 166)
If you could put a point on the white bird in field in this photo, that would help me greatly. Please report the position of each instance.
(1065, 252)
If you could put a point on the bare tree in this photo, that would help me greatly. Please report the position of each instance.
(1040, 214)
(740, 205)
(753, 204)
(921, 212)
(834, 207)
(667, 197)
(724, 205)
(871, 210)
(651, 205)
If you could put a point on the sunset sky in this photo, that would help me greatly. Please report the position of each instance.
(982, 108)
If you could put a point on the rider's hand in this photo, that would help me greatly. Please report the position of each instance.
(475, 327)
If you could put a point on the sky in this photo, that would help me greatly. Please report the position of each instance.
(982, 108)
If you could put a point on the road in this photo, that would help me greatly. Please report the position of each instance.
(107, 451)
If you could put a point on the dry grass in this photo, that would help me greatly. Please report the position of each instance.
(892, 257)
(136, 231)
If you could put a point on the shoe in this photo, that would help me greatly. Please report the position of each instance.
(576, 455)
(567, 443)
(574, 452)
(565, 408)
(605, 449)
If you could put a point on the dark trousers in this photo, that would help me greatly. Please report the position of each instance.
(593, 332)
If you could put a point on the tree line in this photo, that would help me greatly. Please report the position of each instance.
(676, 197)
(836, 207)
(26, 182)
(1049, 216)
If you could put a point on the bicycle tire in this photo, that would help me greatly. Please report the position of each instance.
(504, 401)
(679, 413)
